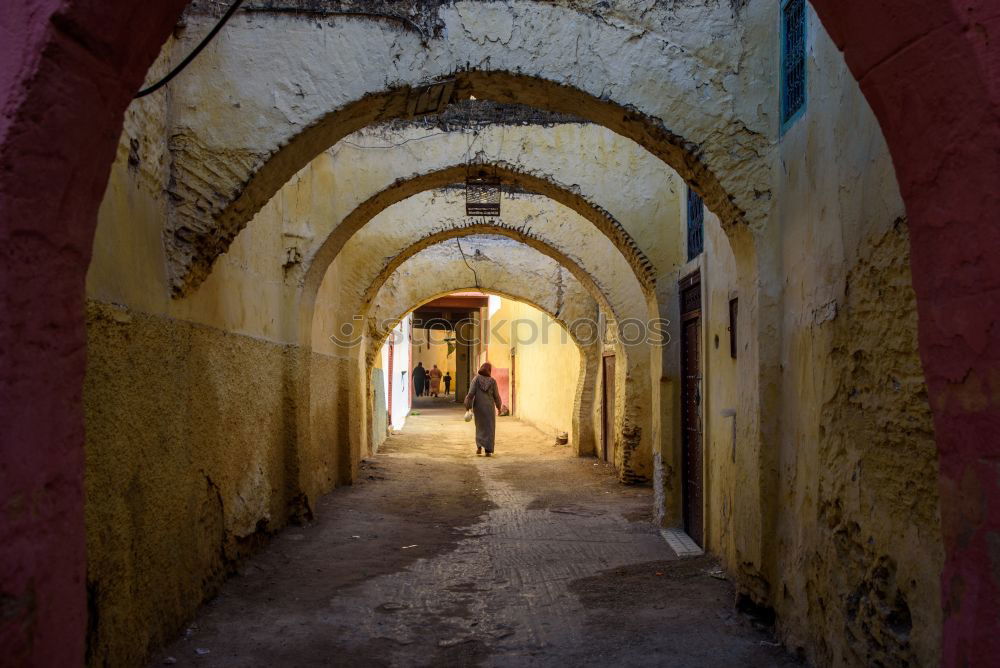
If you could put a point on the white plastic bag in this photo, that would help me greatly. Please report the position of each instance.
(468, 416)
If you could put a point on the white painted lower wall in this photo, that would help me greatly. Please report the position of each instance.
(400, 396)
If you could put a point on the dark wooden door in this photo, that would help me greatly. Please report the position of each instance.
(608, 410)
(691, 411)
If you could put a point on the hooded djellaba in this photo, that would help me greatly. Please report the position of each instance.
(483, 400)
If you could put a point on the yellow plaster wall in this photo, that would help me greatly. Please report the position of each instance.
(721, 379)
(547, 365)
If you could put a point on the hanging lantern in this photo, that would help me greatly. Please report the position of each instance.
(482, 195)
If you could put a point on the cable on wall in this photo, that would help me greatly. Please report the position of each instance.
(277, 10)
(194, 54)
(464, 259)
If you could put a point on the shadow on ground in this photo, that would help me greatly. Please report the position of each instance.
(440, 557)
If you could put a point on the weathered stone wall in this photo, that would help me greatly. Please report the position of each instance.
(194, 409)
(857, 542)
(722, 387)
(646, 74)
(866, 538)
(851, 558)
(325, 451)
(190, 435)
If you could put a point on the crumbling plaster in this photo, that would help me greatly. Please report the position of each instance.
(856, 533)
(715, 125)
(189, 465)
(309, 218)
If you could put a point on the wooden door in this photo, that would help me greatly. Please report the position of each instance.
(691, 410)
(608, 409)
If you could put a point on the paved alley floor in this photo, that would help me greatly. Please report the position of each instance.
(439, 557)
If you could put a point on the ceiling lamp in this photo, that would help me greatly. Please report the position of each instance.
(482, 195)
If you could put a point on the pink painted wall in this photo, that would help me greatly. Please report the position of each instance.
(67, 72)
(931, 72)
(502, 376)
(929, 68)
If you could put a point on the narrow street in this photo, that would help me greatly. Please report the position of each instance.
(439, 557)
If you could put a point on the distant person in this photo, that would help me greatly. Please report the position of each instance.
(435, 377)
(427, 384)
(447, 382)
(419, 379)
(483, 400)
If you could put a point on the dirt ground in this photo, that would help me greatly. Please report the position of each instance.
(440, 557)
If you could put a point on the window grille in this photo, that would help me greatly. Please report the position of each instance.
(793, 61)
(696, 225)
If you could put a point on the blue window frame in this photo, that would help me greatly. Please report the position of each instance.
(793, 61)
(696, 225)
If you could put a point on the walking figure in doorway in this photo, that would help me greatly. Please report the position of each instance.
(483, 400)
(435, 377)
(447, 382)
(419, 378)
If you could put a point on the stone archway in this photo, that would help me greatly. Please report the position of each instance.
(347, 239)
(715, 142)
(354, 278)
(574, 310)
(70, 56)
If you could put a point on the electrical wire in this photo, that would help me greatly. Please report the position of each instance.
(464, 259)
(283, 10)
(194, 54)
(405, 141)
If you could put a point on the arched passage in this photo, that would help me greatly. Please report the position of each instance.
(402, 188)
(56, 225)
(358, 282)
(575, 312)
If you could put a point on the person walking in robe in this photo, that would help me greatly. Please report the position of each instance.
(419, 379)
(447, 382)
(483, 400)
(435, 378)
